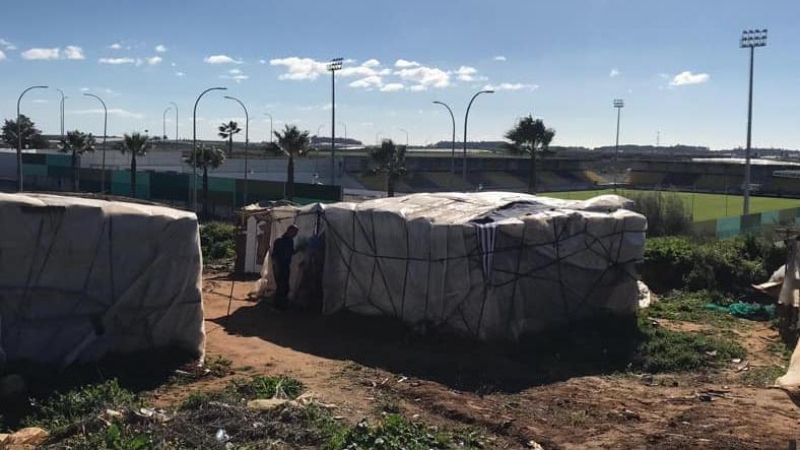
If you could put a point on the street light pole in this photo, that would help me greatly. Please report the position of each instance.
(164, 123)
(194, 144)
(175, 105)
(105, 135)
(453, 152)
(619, 104)
(466, 119)
(334, 65)
(246, 141)
(406, 132)
(270, 126)
(61, 111)
(19, 137)
(750, 39)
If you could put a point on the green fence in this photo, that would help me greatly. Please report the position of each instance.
(757, 223)
(54, 173)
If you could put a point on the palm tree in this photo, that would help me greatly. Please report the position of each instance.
(530, 137)
(136, 144)
(226, 131)
(77, 143)
(292, 142)
(205, 157)
(391, 160)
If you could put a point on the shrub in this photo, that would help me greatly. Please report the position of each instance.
(729, 266)
(667, 214)
(218, 240)
(393, 433)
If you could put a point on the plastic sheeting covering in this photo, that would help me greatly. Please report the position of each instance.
(790, 297)
(80, 278)
(490, 265)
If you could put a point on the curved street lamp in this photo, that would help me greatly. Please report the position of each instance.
(164, 123)
(453, 152)
(466, 119)
(175, 105)
(246, 141)
(61, 111)
(194, 144)
(105, 134)
(406, 132)
(19, 137)
(270, 126)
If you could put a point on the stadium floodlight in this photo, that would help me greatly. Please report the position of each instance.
(619, 104)
(466, 119)
(19, 136)
(750, 40)
(175, 105)
(334, 65)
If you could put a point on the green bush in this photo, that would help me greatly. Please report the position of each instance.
(268, 387)
(393, 433)
(728, 266)
(218, 240)
(667, 214)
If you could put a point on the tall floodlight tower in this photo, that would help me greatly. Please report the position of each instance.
(333, 66)
(750, 40)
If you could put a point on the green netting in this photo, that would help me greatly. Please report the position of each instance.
(728, 227)
(37, 170)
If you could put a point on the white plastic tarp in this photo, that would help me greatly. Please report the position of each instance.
(491, 265)
(80, 278)
(790, 298)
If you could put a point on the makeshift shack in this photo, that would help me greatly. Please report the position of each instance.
(84, 277)
(491, 265)
(789, 315)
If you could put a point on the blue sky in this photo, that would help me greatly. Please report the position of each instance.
(677, 64)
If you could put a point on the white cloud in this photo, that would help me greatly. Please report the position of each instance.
(139, 62)
(161, 48)
(371, 63)
(405, 64)
(74, 53)
(115, 46)
(466, 73)
(262, 61)
(173, 64)
(418, 88)
(155, 60)
(511, 87)
(234, 71)
(2, 55)
(393, 87)
(116, 61)
(500, 58)
(42, 54)
(220, 59)
(299, 68)
(687, 78)
(111, 112)
(84, 89)
(7, 45)
(614, 73)
(425, 76)
(179, 74)
(237, 78)
(368, 82)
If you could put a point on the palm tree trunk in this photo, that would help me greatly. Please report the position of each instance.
(290, 178)
(205, 192)
(390, 184)
(74, 171)
(532, 174)
(230, 145)
(133, 174)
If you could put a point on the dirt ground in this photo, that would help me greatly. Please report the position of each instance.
(365, 366)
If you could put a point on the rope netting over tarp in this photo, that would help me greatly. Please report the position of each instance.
(490, 265)
(80, 278)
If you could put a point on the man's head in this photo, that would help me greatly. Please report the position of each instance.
(291, 231)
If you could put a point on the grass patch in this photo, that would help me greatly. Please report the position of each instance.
(65, 409)
(663, 350)
(261, 387)
(218, 240)
(394, 432)
(763, 376)
(690, 307)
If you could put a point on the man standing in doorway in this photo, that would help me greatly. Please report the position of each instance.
(282, 252)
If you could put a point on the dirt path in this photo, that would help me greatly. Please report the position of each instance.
(365, 366)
